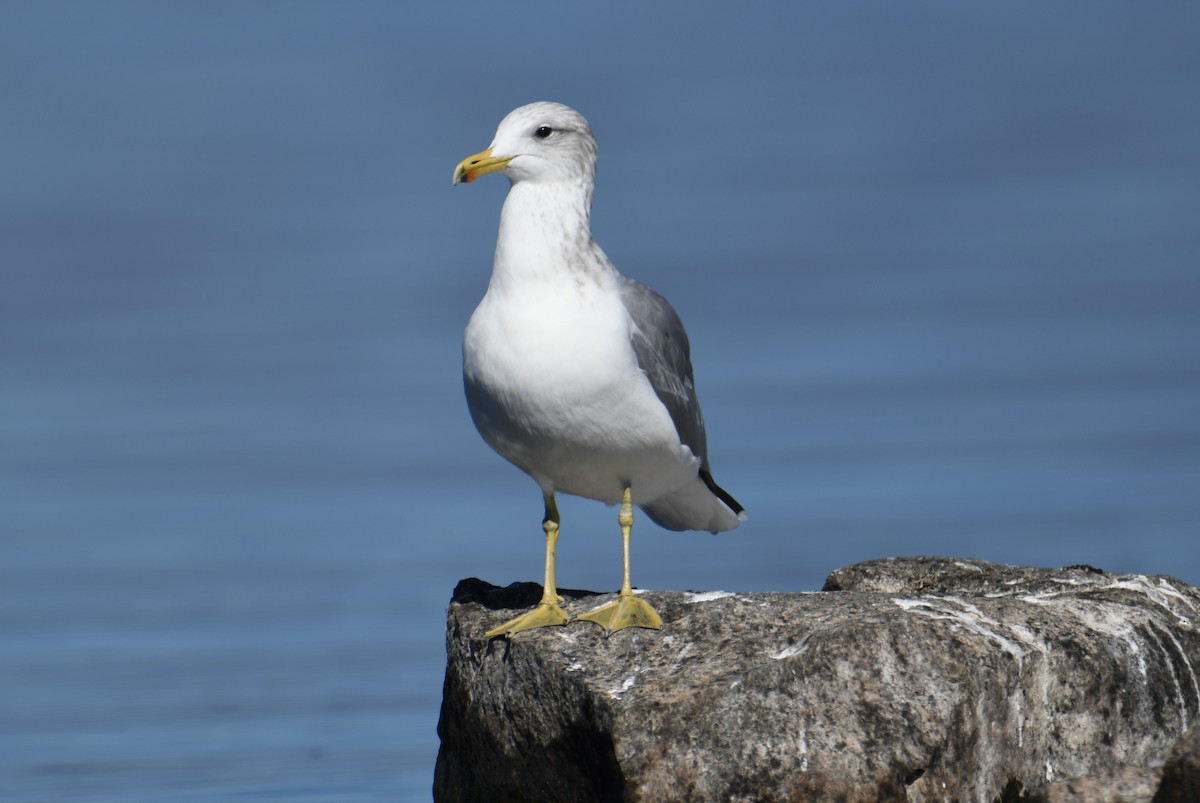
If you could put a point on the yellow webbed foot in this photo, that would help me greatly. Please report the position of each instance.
(546, 614)
(626, 611)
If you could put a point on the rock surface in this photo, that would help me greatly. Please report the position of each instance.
(918, 679)
(1124, 784)
(1181, 775)
(1175, 781)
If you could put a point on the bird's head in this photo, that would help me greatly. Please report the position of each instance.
(541, 142)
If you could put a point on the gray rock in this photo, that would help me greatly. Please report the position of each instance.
(1177, 780)
(1181, 775)
(1123, 784)
(920, 679)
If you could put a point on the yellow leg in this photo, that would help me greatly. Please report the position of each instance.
(628, 610)
(548, 612)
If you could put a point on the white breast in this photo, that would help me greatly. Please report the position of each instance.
(553, 386)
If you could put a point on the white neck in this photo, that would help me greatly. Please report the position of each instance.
(544, 227)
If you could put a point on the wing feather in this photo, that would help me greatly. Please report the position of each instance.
(663, 353)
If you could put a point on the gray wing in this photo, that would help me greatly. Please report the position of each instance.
(663, 353)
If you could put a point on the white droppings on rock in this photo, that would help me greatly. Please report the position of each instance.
(626, 686)
(1160, 592)
(963, 614)
(1169, 663)
(709, 596)
(789, 651)
(683, 653)
(1135, 650)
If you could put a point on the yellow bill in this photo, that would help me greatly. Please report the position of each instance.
(478, 165)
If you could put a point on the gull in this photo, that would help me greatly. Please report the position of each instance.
(580, 376)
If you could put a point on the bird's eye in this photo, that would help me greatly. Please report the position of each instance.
(543, 132)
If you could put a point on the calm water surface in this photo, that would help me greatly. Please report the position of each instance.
(940, 269)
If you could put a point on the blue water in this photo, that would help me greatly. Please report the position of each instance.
(940, 267)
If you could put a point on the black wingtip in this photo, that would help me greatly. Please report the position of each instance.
(721, 493)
